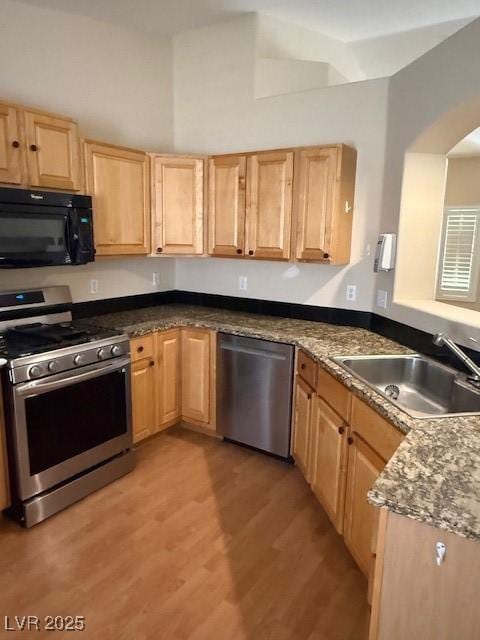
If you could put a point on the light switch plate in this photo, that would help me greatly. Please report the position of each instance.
(93, 286)
(242, 283)
(155, 278)
(382, 298)
(351, 292)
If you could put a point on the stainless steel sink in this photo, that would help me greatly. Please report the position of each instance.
(421, 387)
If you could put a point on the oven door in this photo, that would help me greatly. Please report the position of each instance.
(33, 236)
(68, 423)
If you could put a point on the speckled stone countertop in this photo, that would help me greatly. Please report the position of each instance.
(433, 477)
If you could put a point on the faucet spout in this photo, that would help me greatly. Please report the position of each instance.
(440, 339)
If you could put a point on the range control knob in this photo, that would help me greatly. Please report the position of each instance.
(116, 350)
(35, 371)
(102, 353)
(79, 359)
(53, 366)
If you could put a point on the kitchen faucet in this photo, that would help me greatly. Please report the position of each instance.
(440, 339)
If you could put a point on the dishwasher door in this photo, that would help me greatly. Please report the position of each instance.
(254, 392)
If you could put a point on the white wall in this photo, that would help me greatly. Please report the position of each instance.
(463, 181)
(427, 92)
(117, 83)
(215, 111)
(115, 277)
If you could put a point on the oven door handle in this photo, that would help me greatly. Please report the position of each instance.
(57, 382)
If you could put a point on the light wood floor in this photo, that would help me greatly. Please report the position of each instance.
(203, 541)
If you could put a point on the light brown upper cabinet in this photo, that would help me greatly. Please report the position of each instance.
(11, 148)
(53, 151)
(324, 203)
(226, 205)
(118, 180)
(39, 149)
(177, 205)
(269, 204)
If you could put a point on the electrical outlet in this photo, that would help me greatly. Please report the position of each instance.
(155, 278)
(242, 283)
(93, 286)
(382, 298)
(351, 292)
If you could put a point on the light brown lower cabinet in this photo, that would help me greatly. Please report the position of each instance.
(414, 597)
(341, 445)
(143, 394)
(302, 424)
(328, 460)
(168, 351)
(364, 467)
(198, 376)
(173, 379)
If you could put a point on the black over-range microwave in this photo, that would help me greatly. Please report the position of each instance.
(41, 228)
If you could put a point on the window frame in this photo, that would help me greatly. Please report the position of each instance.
(459, 295)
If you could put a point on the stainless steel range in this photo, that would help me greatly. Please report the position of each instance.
(66, 389)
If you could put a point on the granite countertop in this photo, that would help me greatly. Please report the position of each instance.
(433, 477)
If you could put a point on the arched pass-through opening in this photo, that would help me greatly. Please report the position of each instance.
(421, 210)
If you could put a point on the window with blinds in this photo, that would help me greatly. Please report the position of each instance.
(459, 263)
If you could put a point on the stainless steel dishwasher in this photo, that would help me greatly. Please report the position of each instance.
(254, 392)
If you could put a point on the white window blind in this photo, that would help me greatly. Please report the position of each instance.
(459, 254)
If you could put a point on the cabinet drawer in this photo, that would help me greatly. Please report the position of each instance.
(382, 436)
(142, 347)
(307, 369)
(334, 393)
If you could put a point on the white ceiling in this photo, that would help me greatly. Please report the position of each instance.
(345, 20)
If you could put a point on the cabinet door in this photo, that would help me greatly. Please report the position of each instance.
(11, 148)
(168, 378)
(269, 204)
(315, 202)
(328, 458)
(53, 152)
(196, 372)
(364, 466)
(301, 436)
(143, 398)
(118, 180)
(226, 205)
(177, 205)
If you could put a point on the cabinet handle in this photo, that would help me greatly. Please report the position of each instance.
(326, 256)
(341, 430)
(250, 253)
(239, 251)
(139, 349)
(350, 440)
(15, 144)
(159, 249)
(33, 147)
(151, 363)
(303, 366)
(309, 396)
